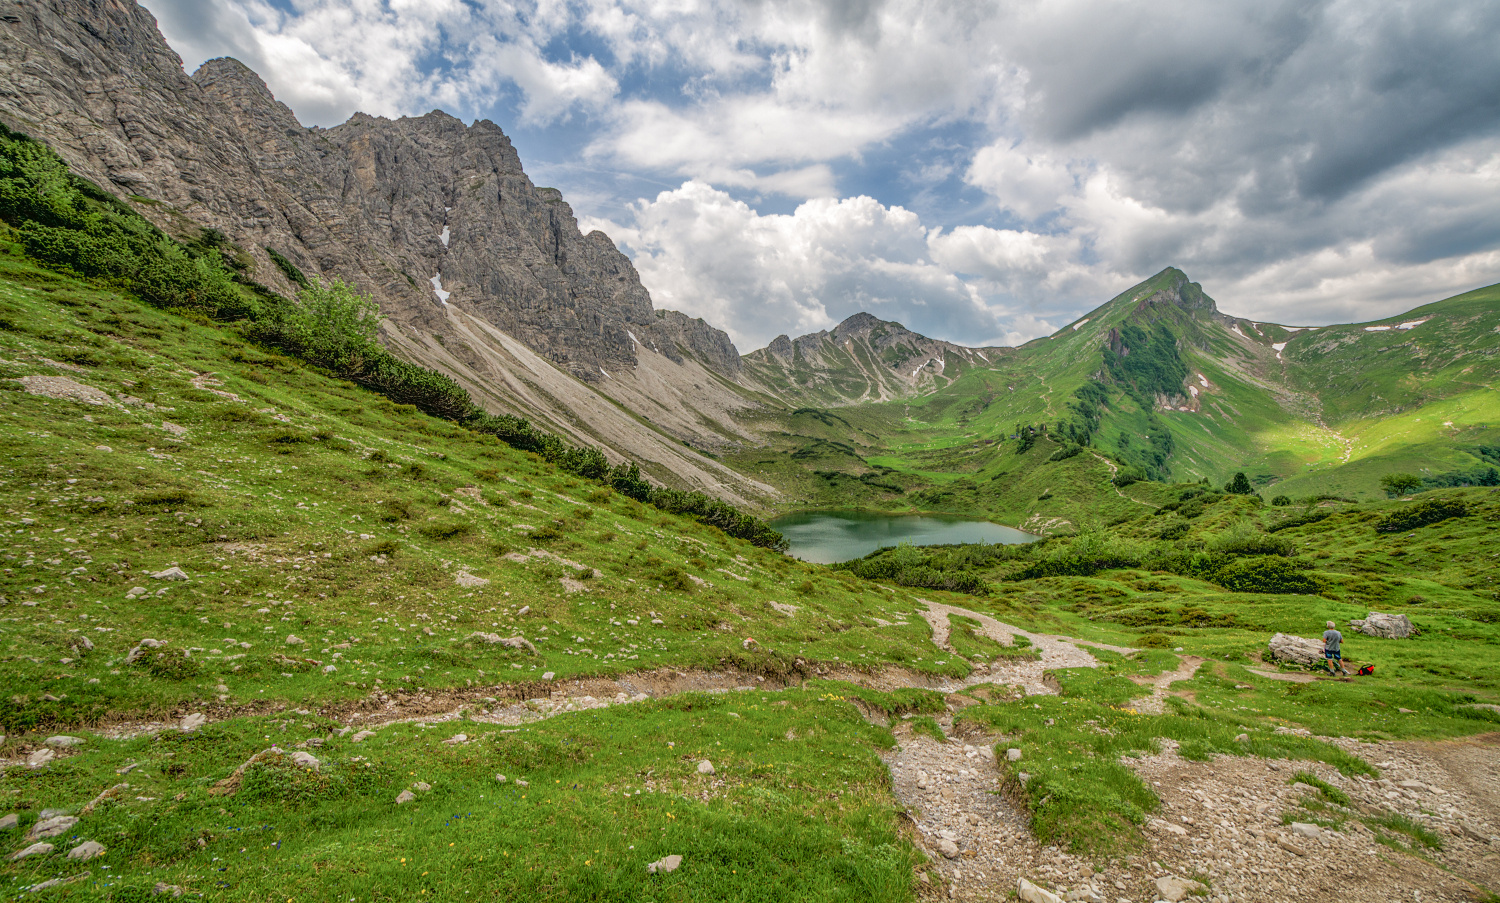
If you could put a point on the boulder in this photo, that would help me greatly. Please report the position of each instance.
(664, 865)
(1174, 889)
(89, 849)
(1299, 650)
(51, 827)
(1030, 893)
(306, 760)
(495, 639)
(172, 573)
(1390, 627)
(36, 849)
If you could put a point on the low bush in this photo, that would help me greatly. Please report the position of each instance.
(1421, 515)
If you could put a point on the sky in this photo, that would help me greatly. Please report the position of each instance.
(982, 172)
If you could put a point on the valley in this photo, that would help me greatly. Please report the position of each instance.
(319, 584)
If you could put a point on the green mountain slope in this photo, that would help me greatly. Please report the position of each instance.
(1159, 383)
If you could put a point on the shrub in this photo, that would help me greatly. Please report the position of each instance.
(1239, 484)
(1399, 484)
(1267, 574)
(1281, 501)
(1421, 515)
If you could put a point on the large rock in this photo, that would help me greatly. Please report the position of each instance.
(1174, 889)
(1390, 627)
(1030, 893)
(1298, 650)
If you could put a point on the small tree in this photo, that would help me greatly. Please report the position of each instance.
(1399, 484)
(1240, 485)
(1281, 501)
(334, 327)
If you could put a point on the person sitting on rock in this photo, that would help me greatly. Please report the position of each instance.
(1332, 641)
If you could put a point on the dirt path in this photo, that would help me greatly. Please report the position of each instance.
(1161, 684)
(1114, 470)
(1056, 651)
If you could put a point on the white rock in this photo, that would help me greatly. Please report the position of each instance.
(63, 741)
(1012, 755)
(456, 739)
(548, 675)
(89, 849)
(172, 573)
(705, 767)
(306, 760)
(1030, 893)
(1299, 650)
(192, 722)
(40, 758)
(1303, 829)
(405, 796)
(1390, 627)
(51, 827)
(1174, 889)
(664, 865)
(293, 640)
(948, 848)
(500, 778)
(36, 849)
(9, 821)
(421, 786)
(361, 737)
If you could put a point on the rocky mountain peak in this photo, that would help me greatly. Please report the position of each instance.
(1179, 292)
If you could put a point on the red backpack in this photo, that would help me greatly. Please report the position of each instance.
(1367, 670)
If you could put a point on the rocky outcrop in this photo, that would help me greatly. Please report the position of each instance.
(480, 273)
(1379, 624)
(1285, 647)
(862, 359)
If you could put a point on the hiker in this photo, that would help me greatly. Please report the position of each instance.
(1332, 640)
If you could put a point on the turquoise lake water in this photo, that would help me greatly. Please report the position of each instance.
(824, 537)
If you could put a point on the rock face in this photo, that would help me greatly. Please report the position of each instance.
(480, 273)
(864, 358)
(1390, 627)
(1299, 650)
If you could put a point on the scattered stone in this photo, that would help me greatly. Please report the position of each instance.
(63, 741)
(456, 739)
(665, 865)
(1012, 755)
(500, 778)
(1174, 889)
(163, 887)
(1299, 650)
(525, 610)
(293, 640)
(705, 767)
(141, 647)
(64, 388)
(306, 760)
(1286, 844)
(361, 737)
(548, 675)
(1303, 829)
(512, 642)
(40, 758)
(466, 579)
(7, 822)
(1030, 893)
(947, 847)
(405, 796)
(89, 849)
(53, 826)
(192, 722)
(1242, 738)
(36, 849)
(421, 786)
(172, 573)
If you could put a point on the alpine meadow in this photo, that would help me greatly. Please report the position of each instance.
(371, 535)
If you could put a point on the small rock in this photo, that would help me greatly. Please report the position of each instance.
(1012, 755)
(36, 849)
(1174, 889)
(40, 758)
(62, 741)
(163, 887)
(522, 783)
(192, 722)
(525, 610)
(548, 675)
(456, 739)
(306, 760)
(949, 848)
(1286, 844)
(500, 778)
(405, 796)
(51, 827)
(1241, 738)
(1303, 829)
(10, 821)
(361, 737)
(172, 573)
(705, 767)
(330, 669)
(664, 865)
(421, 786)
(293, 640)
(89, 849)
(1030, 893)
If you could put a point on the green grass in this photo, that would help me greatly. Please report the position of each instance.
(610, 790)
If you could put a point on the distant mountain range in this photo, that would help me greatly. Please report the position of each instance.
(486, 277)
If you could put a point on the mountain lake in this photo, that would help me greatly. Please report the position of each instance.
(824, 537)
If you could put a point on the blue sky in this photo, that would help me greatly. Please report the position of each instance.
(982, 172)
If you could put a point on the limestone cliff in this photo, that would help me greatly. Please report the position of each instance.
(479, 272)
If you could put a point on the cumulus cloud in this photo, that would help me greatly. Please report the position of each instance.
(1313, 159)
